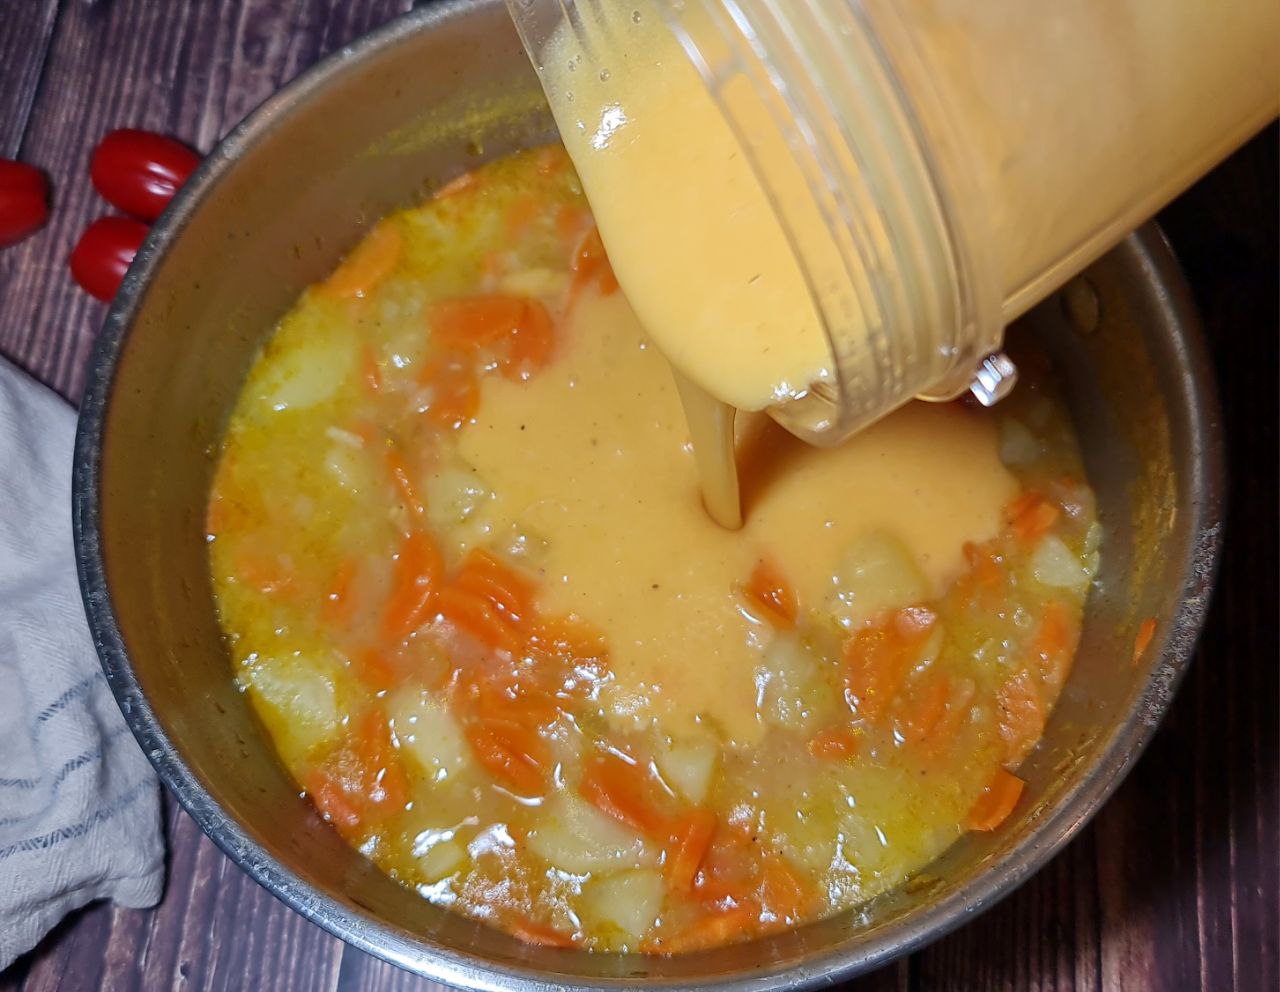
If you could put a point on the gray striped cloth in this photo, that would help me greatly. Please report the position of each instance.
(79, 804)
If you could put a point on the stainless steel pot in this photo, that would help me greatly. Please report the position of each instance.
(269, 212)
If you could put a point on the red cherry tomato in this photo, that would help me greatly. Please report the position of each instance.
(139, 172)
(24, 201)
(102, 255)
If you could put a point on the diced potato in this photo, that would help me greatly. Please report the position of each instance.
(453, 495)
(791, 692)
(688, 767)
(541, 282)
(1054, 564)
(442, 859)
(311, 364)
(300, 694)
(349, 467)
(628, 902)
(877, 573)
(575, 837)
(1018, 446)
(428, 732)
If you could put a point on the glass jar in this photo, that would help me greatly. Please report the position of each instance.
(935, 166)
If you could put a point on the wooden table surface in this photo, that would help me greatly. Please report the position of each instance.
(1174, 886)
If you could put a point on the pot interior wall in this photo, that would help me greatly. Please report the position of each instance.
(449, 87)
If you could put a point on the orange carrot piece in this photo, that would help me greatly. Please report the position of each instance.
(957, 711)
(771, 596)
(876, 660)
(532, 932)
(690, 840)
(996, 802)
(834, 744)
(569, 639)
(924, 712)
(551, 159)
(531, 343)
(470, 322)
(513, 753)
(712, 930)
(398, 468)
(374, 669)
(368, 265)
(455, 391)
(625, 791)
(1053, 643)
(1146, 631)
(590, 266)
(483, 575)
(1031, 516)
(785, 893)
(328, 796)
(1021, 716)
(384, 780)
(476, 616)
(414, 583)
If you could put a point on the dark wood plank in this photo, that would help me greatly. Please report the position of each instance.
(1175, 884)
(25, 32)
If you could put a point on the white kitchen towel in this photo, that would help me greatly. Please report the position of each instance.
(79, 804)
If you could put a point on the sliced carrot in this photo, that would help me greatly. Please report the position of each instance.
(730, 868)
(384, 778)
(478, 617)
(414, 583)
(519, 323)
(368, 265)
(922, 712)
(1021, 716)
(876, 660)
(512, 752)
(690, 839)
(996, 802)
(455, 390)
(1146, 631)
(470, 322)
(784, 891)
(590, 267)
(984, 582)
(834, 744)
(374, 669)
(532, 932)
(1054, 640)
(485, 576)
(625, 791)
(957, 712)
(569, 639)
(531, 343)
(770, 595)
(1031, 516)
(398, 468)
(712, 930)
(326, 792)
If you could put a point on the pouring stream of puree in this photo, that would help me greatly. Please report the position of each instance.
(690, 231)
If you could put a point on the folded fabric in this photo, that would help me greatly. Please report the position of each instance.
(79, 804)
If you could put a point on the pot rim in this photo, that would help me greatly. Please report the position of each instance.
(1116, 755)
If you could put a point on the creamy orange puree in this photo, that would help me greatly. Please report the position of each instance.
(593, 456)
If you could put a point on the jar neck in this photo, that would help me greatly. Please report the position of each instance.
(892, 261)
